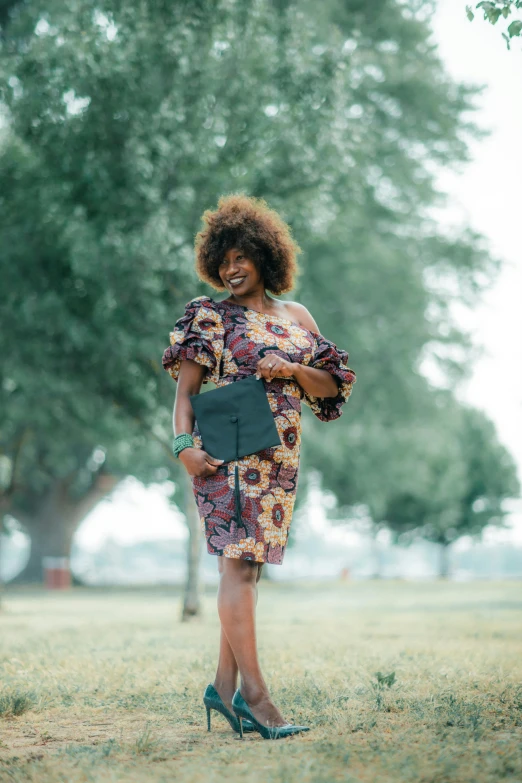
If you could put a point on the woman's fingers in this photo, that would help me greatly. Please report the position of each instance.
(269, 369)
(276, 367)
(213, 460)
(211, 464)
(200, 464)
(280, 367)
(262, 370)
(269, 366)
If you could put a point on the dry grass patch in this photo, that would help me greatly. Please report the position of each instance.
(399, 682)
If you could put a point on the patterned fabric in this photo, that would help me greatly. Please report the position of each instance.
(229, 339)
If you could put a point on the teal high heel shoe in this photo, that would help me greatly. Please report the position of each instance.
(213, 701)
(244, 712)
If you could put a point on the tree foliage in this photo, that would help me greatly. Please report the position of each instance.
(123, 123)
(465, 474)
(500, 10)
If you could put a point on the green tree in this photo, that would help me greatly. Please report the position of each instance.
(463, 475)
(122, 126)
(125, 122)
(500, 10)
(381, 277)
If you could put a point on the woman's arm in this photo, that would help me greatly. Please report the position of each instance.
(196, 461)
(318, 383)
(191, 376)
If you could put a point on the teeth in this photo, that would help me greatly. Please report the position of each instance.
(236, 280)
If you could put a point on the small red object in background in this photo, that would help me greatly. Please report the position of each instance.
(57, 573)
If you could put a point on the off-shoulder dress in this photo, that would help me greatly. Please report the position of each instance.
(229, 339)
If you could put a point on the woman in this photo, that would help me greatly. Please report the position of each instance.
(246, 249)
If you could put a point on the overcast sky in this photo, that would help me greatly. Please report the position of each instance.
(486, 194)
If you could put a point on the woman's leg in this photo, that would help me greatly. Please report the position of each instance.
(237, 596)
(226, 675)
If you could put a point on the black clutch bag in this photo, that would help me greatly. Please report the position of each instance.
(235, 421)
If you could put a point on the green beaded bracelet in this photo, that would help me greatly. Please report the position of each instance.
(183, 441)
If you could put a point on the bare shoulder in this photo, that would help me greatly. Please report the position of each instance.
(301, 315)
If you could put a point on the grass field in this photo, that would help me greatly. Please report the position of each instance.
(107, 685)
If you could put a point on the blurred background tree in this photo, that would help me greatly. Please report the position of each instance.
(122, 124)
(457, 490)
(503, 10)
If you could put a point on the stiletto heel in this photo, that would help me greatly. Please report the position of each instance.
(243, 711)
(240, 727)
(213, 701)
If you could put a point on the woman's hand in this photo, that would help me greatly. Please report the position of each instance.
(198, 462)
(272, 365)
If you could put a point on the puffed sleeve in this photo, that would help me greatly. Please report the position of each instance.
(197, 335)
(327, 356)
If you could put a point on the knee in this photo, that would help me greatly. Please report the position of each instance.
(239, 571)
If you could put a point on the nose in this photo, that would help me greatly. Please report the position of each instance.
(233, 269)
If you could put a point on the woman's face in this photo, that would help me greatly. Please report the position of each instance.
(238, 273)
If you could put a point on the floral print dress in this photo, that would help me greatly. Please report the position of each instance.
(229, 339)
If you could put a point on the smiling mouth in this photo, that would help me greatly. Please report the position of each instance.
(235, 281)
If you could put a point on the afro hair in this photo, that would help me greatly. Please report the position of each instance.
(247, 223)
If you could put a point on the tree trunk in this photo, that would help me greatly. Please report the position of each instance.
(444, 565)
(51, 536)
(376, 555)
(191, 599)
(52, 531)
(1, 578)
